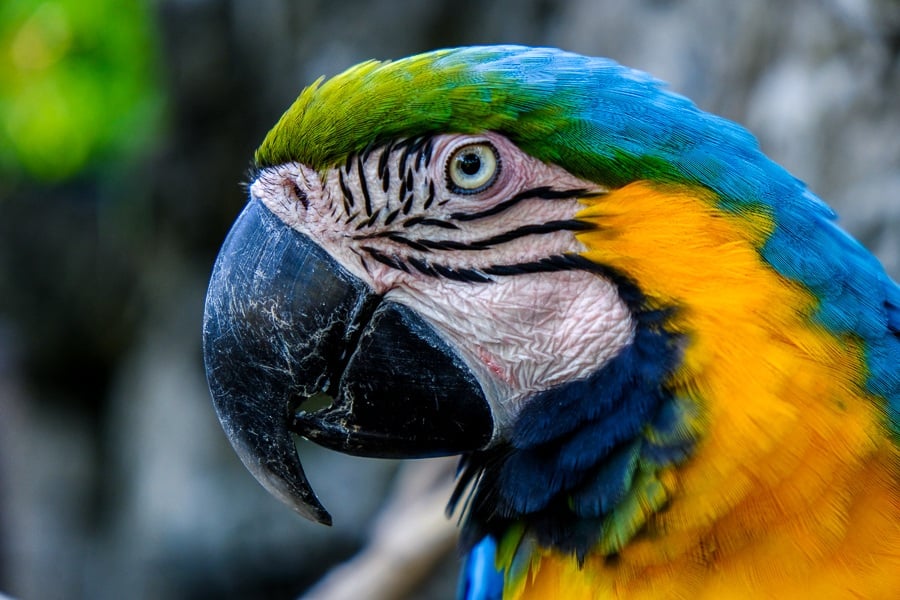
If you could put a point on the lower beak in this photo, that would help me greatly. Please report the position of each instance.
(294, 343)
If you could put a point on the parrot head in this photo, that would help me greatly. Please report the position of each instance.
(544, 262)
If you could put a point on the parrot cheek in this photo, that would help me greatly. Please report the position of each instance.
(287, 328)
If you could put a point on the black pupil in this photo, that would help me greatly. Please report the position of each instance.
(470, 163)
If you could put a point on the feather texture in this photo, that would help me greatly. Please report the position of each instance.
(765, 460)
(612, 125)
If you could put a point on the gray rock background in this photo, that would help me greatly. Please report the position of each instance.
(115, 480)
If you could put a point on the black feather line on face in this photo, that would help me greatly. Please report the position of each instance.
(383, 171)
(493, 241)
(430, 197)
(364, 186)
(430, 222)
(539, 193)
(401, 165)
(427, 151)
(391, 216)
(345, 191)
(408, 204)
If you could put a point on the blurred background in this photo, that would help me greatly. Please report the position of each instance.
(126, 130)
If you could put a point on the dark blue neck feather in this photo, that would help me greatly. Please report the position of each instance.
(573, 450)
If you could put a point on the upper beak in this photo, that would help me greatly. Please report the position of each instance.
(286, 324)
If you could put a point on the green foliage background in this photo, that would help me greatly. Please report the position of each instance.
(79, 85)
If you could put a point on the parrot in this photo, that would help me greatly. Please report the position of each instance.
(666, 370)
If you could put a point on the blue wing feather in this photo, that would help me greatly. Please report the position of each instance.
(479, 578)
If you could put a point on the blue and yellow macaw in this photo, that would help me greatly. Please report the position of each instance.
(669, 373)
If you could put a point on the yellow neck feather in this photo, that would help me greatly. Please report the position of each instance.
(793, 488)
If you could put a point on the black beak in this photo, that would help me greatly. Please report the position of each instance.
(295, 343)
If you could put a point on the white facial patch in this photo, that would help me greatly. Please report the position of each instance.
(461, 228)
(527, 333)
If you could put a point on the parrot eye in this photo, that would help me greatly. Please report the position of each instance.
(473, 168)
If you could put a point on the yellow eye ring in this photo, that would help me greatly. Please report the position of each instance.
(472, 168)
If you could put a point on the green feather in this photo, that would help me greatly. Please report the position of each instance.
(441, 91)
